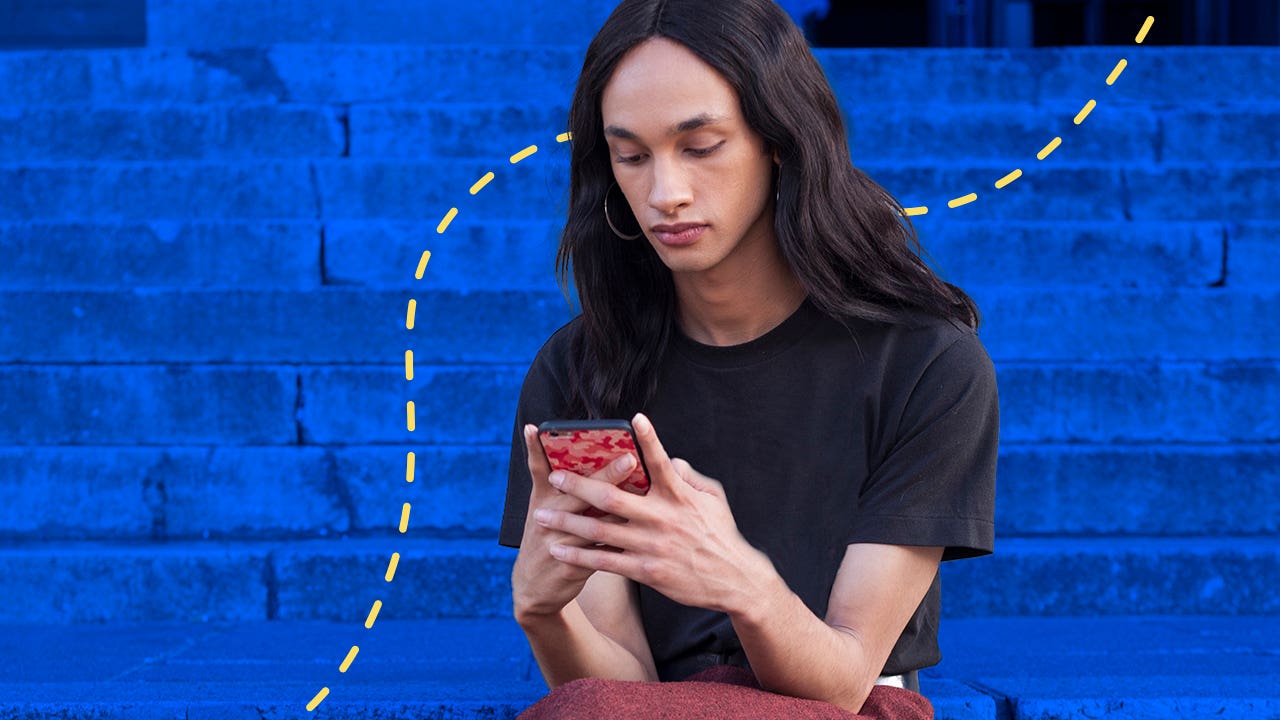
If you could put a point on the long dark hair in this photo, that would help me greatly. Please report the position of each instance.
(847, 240)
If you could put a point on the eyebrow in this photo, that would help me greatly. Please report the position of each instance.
(693, 123)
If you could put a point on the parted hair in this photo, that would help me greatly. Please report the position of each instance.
(847, 240)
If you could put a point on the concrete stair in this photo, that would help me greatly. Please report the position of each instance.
(1124, 668)
(210, 245)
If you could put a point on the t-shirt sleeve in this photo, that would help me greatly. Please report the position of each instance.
(936, 485)
(541, 399)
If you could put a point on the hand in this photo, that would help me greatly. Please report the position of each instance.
(540, 584)
(680, 539)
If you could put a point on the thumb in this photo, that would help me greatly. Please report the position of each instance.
(539, 467)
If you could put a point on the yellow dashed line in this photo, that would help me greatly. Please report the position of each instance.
(1044, 151)
(1120, 66)
(409, 462)
(479, 185)
(448, 218)
(1084, 111)
(408, 364)
(351, 655)
(404, 518)
(564, 137)
(524, 154)
(1146, 27)
(373, 614)
(422, 264)
(1054, 143)
(319, 698)
(410, 314)
(412, 417)
(391, 567)
(1017, 173)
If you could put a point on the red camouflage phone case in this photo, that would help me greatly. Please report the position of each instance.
(584, 447)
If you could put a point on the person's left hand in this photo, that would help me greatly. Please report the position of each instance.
(680, 539)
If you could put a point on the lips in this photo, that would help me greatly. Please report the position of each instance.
(681, 234)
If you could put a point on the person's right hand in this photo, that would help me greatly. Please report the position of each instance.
(541, 584)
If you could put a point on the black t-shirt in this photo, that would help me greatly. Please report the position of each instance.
(823, 436)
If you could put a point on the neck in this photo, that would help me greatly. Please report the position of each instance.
(731, 305)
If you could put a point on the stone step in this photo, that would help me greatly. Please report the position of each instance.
(463, 669)
(359, 189)
(1141, 402)
(340, 579)
(1060, 79)
(496, 255)
(211, 24)
(366, 326)
(252, 492)
(913, 133)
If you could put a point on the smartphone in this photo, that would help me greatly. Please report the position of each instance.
(585, 447)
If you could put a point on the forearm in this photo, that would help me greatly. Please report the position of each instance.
(794, 652)
(568, 647)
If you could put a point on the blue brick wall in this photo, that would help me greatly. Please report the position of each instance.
(210, 244)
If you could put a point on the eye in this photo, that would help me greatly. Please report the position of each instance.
(703, 152)
(629, 160)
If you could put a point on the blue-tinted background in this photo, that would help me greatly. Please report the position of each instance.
(209, 244)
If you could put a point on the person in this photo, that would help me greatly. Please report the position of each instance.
(816, 412)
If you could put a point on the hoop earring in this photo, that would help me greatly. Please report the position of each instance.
(611, 225)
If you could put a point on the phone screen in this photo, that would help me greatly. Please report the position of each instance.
(586, 447)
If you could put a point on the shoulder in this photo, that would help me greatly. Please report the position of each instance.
(922, 349)
(941, 363)
(550, 366)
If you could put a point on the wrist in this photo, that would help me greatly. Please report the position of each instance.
(761, 595)
(532, 618)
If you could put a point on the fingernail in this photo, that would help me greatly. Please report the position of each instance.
(542, 515)
(623, 463)
(558, 551)
(640, 422)
(556, 478)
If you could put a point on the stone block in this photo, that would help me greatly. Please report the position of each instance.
(954, 76)
(1047, 190)
(1221, 402)
(339, 580)
(140, 404)
(1160, 75)
(154, 192)
(1182, 490)
(471, 254)
(456, 490)
(415, 132)
(329, 326)
(1204, 192)
(1099, 254)
(1235, 134)
(1109, 325)
(920, 133)
(1253, 254)
(222, 24)
(71, 493)
(1116, 576)
(535, 189)
(228, 132)
(452, 405)
(92, 582)
(244, 255)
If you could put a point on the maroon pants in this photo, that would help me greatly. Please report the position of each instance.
(724, 692)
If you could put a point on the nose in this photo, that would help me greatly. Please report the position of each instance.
(670, 190)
